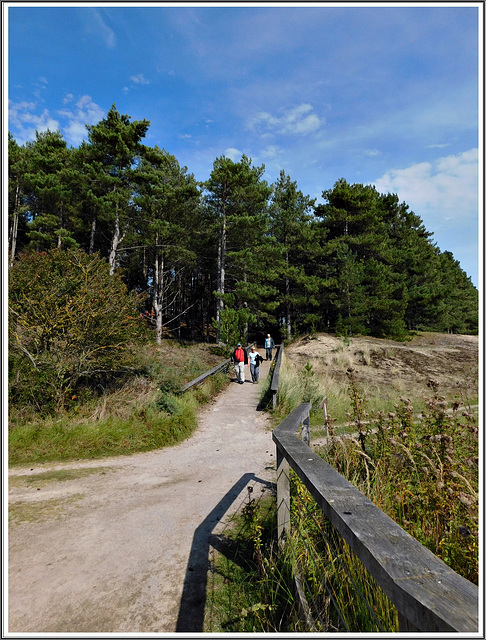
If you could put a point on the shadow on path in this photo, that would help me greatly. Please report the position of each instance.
(193, 601)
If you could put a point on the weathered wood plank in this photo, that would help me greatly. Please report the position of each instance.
(283, 497)
(276, 370)
(203, 376)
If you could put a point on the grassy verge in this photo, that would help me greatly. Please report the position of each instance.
(146, 413)
(248, 584)
(309, 585)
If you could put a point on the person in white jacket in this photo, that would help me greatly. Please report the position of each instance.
(269, 344)
(255, 359)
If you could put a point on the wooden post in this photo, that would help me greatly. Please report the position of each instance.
(283, 497)
(405, 625)
(323, 406)
(306, 430)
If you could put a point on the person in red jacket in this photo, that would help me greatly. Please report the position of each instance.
(239, 358)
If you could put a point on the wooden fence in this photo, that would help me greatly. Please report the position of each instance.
(276, 374)
(224, 366)
(429, 595)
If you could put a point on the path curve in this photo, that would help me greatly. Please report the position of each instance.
(124, 549)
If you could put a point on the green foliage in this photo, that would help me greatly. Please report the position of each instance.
(341, 594)
(71, 325)
(421, 469)
(145, 429)
(146, 412)
(360, 263)
(232, 323)
(250, 583)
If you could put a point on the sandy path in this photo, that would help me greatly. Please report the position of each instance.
(125, 548)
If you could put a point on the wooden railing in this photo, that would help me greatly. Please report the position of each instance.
(428, 595)
(220, 367)
(276, 374)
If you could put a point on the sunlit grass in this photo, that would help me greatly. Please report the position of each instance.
(148, 412)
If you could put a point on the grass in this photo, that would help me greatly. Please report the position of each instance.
(253, 584)
(316, 380)
(420, 470)
(248, 588)
(40, 510)
(47, 477)
(147, 412)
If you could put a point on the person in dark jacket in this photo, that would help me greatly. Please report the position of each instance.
(255, 359)
(239, 358)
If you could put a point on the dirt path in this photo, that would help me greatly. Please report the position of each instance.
(121, 545)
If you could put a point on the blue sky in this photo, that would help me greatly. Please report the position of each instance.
(384, 95)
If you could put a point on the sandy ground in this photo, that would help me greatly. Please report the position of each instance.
(124, 548)
(451, 360)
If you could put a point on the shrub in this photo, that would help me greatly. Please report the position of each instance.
(71, 325)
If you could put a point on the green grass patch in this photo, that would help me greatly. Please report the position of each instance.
(40, 510)
(248, 591)
(252, 583)
(145, 429)
(60, 475)
(148, 412)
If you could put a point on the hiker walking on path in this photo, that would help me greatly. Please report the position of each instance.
(269, 344)
(239, 358)
(255, 359)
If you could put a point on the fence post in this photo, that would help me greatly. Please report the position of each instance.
(306, 430)
(283, 497)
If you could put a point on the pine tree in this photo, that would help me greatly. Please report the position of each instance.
(116, 145)
(17, 197)
(236, 200)
(294, 250)
(48, 180)
(167, 201)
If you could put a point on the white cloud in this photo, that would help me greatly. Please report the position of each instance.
(272, 151)
(99, 27)
(86, 112)
(372, 153)
(439, 146)
(23, 123)
(445, 190)
(139, 79)
(233, 154)
(296, 121)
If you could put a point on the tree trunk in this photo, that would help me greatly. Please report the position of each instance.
(59, 237)
(92, 236)
(15, 226)
(158, 296)
(221, 273)
(115, 241)
(288, 319)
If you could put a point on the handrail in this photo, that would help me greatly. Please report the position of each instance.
(211, 372)
(428, 595)
(203, 376)
(276, 374)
